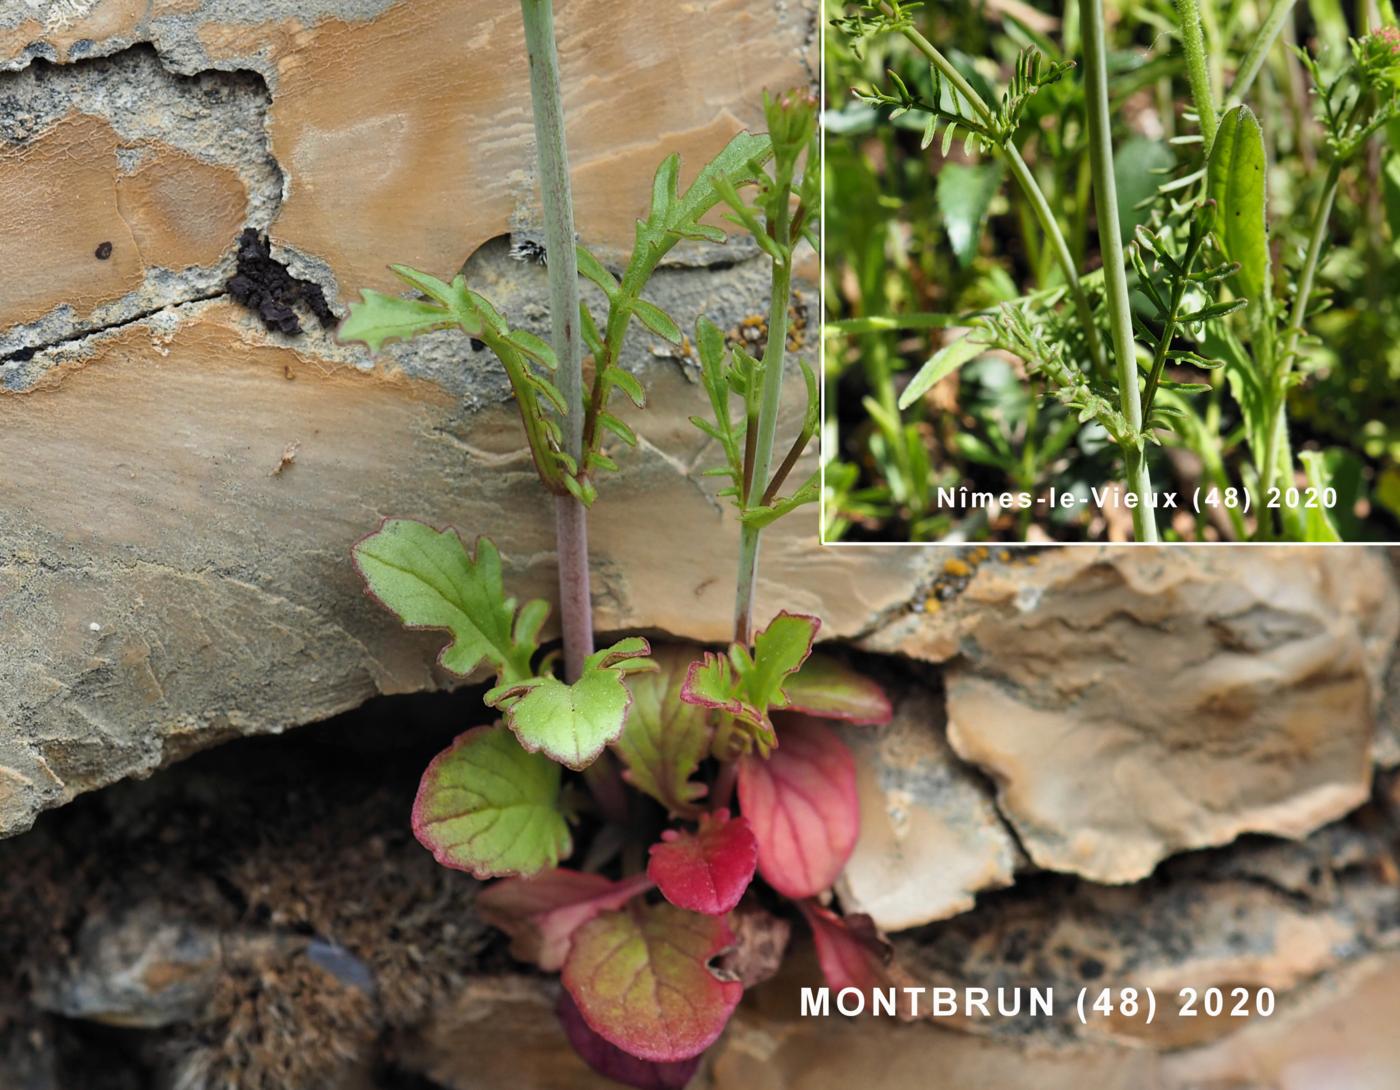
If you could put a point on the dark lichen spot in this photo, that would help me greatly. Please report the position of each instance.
(103, 251)
(264, 286)
(1091, 968)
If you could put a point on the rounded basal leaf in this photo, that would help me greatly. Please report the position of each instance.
(541, 913)
(828, 688)
(707, 870)
(665, 738)
(641, 979)
(612, 1063)
(801, 802)
(570, 723)
(488, 807)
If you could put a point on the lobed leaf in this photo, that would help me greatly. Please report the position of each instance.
(573, 723)
(801, 802)
(665, 739)
(426, 577)
(541, 913)
(828, 688)
(378, 318)
(488, 807)
(642, 981)
(779, 651)
(706, 871)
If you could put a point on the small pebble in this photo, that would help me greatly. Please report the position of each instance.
(104, 251)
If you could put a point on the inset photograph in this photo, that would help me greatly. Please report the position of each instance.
(1124, 272)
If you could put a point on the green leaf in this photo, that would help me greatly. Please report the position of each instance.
(488, 807)
(828, 688)
(1235, 179)
(593, 269)
(657, 320)
(535, 348)
(426, 577)
(1318, 521)
(665, 738)
(573, 723)
(1138, 165)
(642, 981)
(762, 517)
(964, 196)
(779, 651)
(940, 365)
(378, 318)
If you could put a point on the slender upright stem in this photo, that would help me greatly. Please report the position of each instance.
(1114, 268)
(1029, 187)
(570, 516)
(1258, 50)
(774, 357)
(1197, 67)
(1278, 393)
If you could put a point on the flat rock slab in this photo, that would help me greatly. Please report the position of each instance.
(1134, 704)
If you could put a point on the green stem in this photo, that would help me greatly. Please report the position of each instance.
(1253, 61)
(1197, 68)
(1029, 187)
(773, 359)
(1115, 270)
(1278, 392)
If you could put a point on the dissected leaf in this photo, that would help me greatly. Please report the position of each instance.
(641, 979)
(826, 687)
(488, 807)
(1235, 179)
(852, 953)
(612, 1063)
(708, 870)
(573, 723)
(801, 802)
(665, 738)
(426, 577)
(541, 913)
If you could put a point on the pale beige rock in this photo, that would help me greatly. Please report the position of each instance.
(1134, 704)
(930, 837)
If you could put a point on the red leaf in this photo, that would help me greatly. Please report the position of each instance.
(853, 954)
(707, 870)
(828, 688)
(641, 979)
(541, 913)
(802, 805)
(612, 1063)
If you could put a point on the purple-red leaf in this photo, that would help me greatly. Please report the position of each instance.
(541, 914)
(641, 979)
(828, 688)
(853, 954)
(708, 870)
(801, 802)
(612, 1063)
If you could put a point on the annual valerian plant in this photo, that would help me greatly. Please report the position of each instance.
(1197, 316)
(730, 750)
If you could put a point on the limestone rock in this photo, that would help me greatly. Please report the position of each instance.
(930, 836)
(1134, 704)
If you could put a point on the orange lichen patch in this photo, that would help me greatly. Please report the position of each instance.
(181, 212)
(371, 180)
(66, 202)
